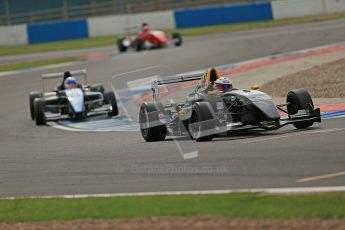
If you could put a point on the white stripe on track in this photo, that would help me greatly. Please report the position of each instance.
(321, 177)
(202, 192)
(296, 134)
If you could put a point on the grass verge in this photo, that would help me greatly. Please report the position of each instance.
(57, 46)
(257, 24)
(320, 205)
(111, 40)
(39, 63)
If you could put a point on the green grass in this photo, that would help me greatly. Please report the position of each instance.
(55, 46)
(39, 63)
(111, 40)
(330, 205)
(256, 25)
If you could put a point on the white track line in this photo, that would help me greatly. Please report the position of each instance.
(73, 129)
(39, 68)
(321, 177)
(202, 192)
(296, 134)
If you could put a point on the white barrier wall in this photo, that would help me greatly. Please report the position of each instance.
(334, 6)
(13, 35)
(296, 8)
(110, 25)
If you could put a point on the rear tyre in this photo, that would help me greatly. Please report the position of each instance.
(120, 45)
(150, 127)
(32, 97)
(299, 99)
(177, 38)
(39, 105)
(109, 98)
(139, 45)
(202, 123)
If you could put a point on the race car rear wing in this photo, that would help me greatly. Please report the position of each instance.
(177, 79)
(74, 73)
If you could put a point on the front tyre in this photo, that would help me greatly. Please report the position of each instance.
(299, 99)
(32, 97)
(150, 126)
(39, 106)
(202, 123)
(109, 98)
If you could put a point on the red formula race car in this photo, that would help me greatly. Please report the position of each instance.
(148, 39)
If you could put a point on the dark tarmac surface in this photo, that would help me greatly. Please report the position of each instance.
(46, 161)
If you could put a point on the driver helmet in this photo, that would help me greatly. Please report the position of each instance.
(145, 27)
(223, 84)
(70, 83)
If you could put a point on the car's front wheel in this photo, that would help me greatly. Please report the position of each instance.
(299, 99)
(202, 123)
(109, 98)
(39, 105)
(150, 126)
(121, 47)
(32, 97)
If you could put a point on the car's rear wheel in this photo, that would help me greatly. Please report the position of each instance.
(177, 38)
(139, 44)
(39, 105)
(32, 97)
(150, 127)
(299, 99)
(109, 98)
(202, 123)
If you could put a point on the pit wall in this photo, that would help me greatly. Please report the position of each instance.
(224, 14)
(13, 35)
(171, 19)
(299, 8)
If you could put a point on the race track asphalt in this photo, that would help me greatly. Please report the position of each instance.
(46, 161)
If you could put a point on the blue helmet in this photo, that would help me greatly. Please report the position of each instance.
(70, 83)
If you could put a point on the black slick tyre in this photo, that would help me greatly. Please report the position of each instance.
(120, 45)
(202, 123)
(139, 45)
(39, 105)
(109, 98)
(299, 99)
(32, 97)
(150, 127)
